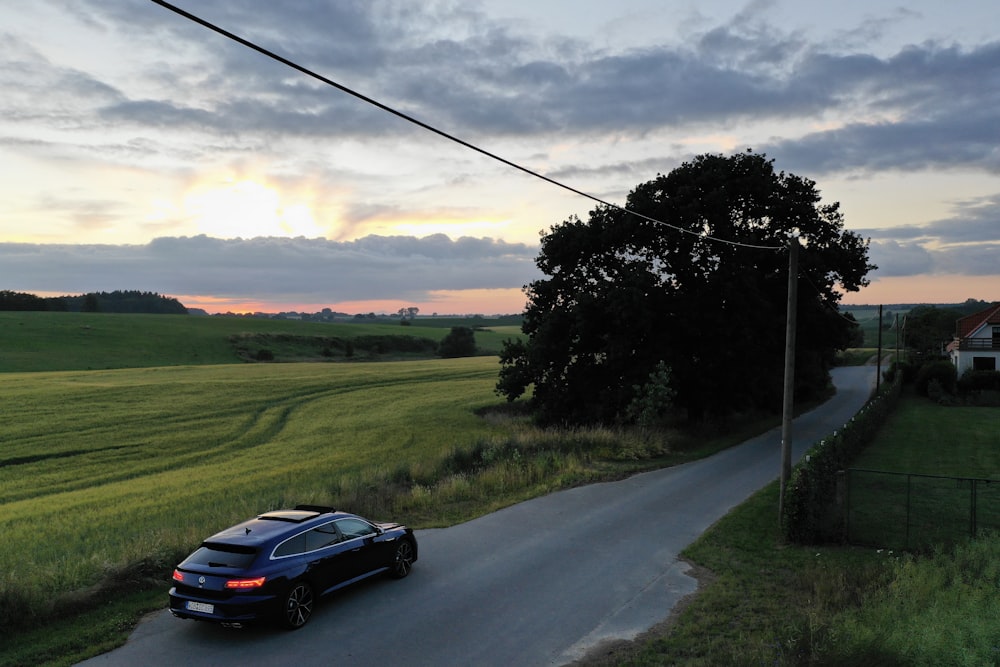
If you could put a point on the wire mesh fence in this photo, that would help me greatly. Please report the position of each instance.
(908, 511)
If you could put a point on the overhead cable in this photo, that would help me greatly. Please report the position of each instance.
(395, 112)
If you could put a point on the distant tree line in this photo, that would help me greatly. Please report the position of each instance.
(119, 301)
(22, 301)
(460, 342)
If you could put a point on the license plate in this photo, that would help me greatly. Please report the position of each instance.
(201, 606)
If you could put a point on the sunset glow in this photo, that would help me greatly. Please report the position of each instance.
(200, 169)
(247, 209)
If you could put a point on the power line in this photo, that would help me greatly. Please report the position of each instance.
(384, 107)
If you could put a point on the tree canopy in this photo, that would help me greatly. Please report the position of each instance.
(459, 342)
(704, 295)
(928, 330)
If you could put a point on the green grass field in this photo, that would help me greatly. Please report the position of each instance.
(104, 468)
(99, 341)
(868, 319)
(108, 476)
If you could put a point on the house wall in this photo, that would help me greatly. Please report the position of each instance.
(965, 359)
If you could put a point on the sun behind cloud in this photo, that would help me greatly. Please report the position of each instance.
(248, 209)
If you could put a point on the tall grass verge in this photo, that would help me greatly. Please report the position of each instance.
(495, 471)
(939, 609)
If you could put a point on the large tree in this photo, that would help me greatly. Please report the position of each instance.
(698, 285)
(928, 330)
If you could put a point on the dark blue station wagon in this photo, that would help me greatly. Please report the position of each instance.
(276, 566)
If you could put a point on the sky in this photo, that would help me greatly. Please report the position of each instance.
(141, 151)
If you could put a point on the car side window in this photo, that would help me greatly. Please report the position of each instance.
(352, 528)
(291, 546)
(322, 536)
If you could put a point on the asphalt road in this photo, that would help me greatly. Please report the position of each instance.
(539, 583)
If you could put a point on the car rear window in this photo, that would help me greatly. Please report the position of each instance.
(222, 555)
(292, 546)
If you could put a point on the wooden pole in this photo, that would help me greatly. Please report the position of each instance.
(878, 360)
(788, 404)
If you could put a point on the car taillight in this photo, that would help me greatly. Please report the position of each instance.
(256, 582)
(178, 576)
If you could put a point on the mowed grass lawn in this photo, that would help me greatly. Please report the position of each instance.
(102, 469)
(922, 437)
(928, 445)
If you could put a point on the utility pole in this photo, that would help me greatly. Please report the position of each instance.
(878, 360)
(896, 358)
(788, 405)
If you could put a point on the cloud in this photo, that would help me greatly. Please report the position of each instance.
(901, 259)
(277, 269)
(967, 243)
(928, 104)
(482, 77)
(601, 115)
(973, 260)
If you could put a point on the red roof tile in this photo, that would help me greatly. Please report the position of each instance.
(971, 323)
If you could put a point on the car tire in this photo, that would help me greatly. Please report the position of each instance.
(297, 605)
(402, 560)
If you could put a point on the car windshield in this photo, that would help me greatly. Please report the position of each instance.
(222, 555)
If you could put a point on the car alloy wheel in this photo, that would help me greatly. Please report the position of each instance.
(402, 561)
(298, 605)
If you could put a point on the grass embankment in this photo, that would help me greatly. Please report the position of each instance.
(771, 603)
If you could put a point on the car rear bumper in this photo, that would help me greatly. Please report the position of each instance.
(241, 609)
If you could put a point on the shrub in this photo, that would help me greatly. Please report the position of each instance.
(652, 403)
(376, 344)
(943, 371)
(979, 381)
(810, 513)
(460, 342)
(264, 354)
(937, 393)
(903, 368)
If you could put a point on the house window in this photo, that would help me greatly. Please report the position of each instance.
(996, 338)
(984, 363)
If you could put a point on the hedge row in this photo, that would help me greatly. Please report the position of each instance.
(811, 513)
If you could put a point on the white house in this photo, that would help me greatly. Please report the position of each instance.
(977, 341)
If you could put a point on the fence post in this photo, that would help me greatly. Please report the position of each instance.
(909, 483)
(843, 502)
(973, 486)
